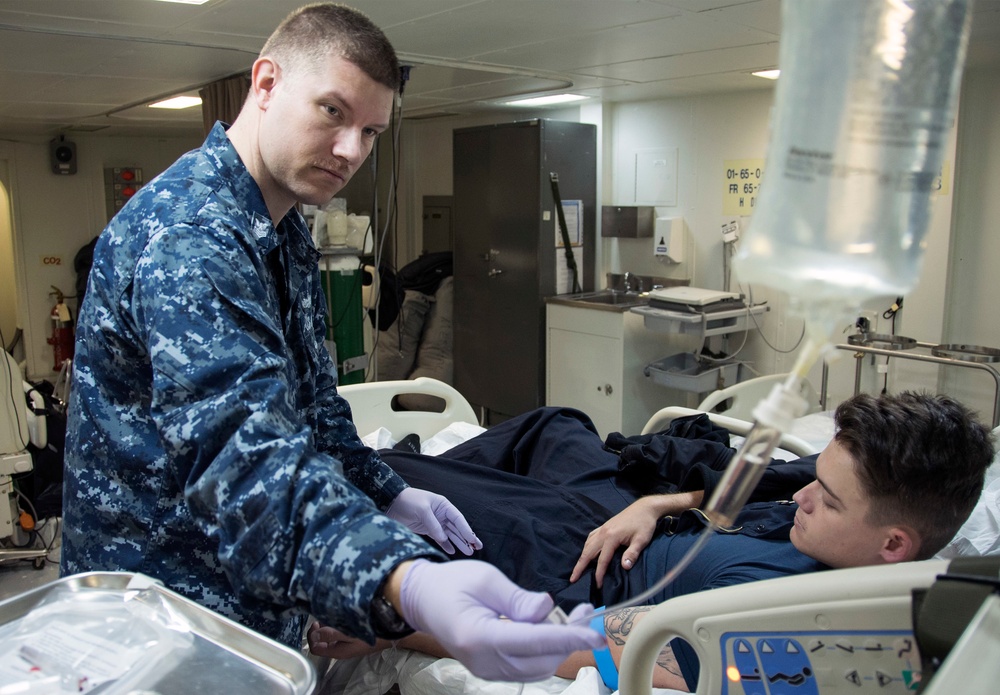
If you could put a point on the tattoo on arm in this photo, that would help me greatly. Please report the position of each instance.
(620, 625)
(668, 662)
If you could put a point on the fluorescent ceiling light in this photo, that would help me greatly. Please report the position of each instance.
(767, 74)
(177, 103)
(187, 2)
(547, 100)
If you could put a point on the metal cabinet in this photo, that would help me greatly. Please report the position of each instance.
(505, 255)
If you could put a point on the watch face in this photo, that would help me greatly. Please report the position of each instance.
(386, 620)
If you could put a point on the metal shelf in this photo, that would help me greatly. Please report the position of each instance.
(684, 371)
(705, 325)
(908, 354)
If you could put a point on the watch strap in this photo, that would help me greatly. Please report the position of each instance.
(386, 620)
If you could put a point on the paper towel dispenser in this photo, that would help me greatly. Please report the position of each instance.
(631, 221)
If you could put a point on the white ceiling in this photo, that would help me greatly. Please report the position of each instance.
(93, 65)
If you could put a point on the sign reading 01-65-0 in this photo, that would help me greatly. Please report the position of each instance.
(741, 186)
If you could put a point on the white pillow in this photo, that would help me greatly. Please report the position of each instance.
(980, 534)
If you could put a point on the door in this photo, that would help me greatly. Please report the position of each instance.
(513, 331)
(8, 285)
(497, 305)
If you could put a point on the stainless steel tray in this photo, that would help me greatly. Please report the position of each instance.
(882, 340)
(226, 657)
(967, 353)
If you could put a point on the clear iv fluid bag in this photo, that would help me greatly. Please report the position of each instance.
(864, 107)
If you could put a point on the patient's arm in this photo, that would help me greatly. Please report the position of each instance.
(619, 626)
(329, 642)
(634, 527)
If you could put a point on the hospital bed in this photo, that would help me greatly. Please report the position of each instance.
(773, 626)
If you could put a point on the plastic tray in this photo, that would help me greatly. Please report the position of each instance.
(685, 372)
(223, 656)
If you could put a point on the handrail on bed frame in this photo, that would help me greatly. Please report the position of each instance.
(662, 418)
(374, 404)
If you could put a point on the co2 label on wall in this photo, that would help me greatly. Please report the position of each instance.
(49, 261)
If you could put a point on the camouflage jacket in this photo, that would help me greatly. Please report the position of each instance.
(206, 443)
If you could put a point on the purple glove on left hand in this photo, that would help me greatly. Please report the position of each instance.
(430, 514)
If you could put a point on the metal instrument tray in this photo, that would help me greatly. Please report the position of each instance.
(882, 340)
(226, 656)
(967, 353)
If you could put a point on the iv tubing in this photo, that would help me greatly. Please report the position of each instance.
(771, 417)
(669, 577)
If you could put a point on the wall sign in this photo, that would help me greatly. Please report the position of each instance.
(741, 186)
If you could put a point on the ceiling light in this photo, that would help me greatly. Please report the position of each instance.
(547, 100)
(187, 2)
(177, 103)
(767, 74)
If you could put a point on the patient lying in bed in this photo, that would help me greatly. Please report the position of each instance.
(554, 506)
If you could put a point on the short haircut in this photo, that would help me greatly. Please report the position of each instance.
(311, 33)
(920, 459)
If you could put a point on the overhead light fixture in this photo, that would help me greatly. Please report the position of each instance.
(767, 74)
(547, 100)
(177, 103)
(187, 2)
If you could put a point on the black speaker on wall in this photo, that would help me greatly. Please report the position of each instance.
(62, 155)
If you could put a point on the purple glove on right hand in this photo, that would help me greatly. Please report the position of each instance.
(460, 604)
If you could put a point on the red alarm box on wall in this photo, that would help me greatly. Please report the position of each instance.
(120, 184)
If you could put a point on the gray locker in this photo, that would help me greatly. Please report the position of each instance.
(505, 255)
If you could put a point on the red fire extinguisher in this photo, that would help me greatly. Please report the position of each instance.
(62, 331)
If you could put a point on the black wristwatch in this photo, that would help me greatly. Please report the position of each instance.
(387, 623)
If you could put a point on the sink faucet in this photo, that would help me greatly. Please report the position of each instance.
(627, 282)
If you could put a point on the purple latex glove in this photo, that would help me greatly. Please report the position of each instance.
(460, 603)
(430, 514)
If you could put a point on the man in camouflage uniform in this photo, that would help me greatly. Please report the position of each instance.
(207, 446)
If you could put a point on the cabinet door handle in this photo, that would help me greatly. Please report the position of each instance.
(494, 272)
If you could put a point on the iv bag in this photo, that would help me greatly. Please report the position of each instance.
(863, 110)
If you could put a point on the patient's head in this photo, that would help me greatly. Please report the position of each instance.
(901, 475)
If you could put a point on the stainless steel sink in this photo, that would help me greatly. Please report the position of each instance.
(613, 298)
(609, 300)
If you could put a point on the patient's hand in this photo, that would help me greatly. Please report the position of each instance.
(330, 642)
(632, 527)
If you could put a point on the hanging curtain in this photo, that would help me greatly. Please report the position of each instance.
(222, 100)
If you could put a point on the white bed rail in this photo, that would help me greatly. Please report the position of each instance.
(838, 631)
(662, 418)
(373, 405)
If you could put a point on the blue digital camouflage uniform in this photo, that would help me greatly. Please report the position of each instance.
(206, 443)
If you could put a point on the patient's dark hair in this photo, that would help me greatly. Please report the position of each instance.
(920, 459)
(311, 33)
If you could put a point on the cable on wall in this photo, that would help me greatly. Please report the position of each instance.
(391, 217)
